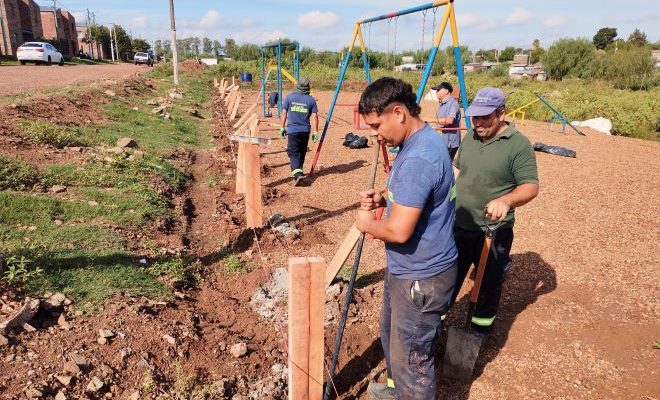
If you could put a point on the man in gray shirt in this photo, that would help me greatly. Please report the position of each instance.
(448, 116)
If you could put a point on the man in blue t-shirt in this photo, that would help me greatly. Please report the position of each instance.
(298, 108)
(448, 116)
(418, 236)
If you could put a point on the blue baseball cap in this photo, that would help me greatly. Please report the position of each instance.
(486, 101)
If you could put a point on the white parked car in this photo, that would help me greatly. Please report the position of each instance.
(143, 58)
(39, 52)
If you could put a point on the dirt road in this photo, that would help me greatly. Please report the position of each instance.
(21, 78)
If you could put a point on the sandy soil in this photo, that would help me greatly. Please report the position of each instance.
(15, 79)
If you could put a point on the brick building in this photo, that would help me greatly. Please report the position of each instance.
(20, 22)
(60, 25)
(87, 47)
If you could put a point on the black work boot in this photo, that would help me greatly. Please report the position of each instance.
(297, 178)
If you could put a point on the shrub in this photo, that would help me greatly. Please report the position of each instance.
(500, 70)
(16, 174)
(233, 264)
(41, 132)
(19, 272)
(568, 57)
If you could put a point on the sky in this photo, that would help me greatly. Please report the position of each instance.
(328, 25)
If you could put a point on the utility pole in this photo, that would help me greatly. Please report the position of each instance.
(116, 42)
(5, 49)
(89, 35)
(174, 50)
(112, 47)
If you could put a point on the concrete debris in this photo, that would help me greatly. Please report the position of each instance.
(238, 350)
(95, 385)
(126, 142)
(54, 302)
(268, 299)
(71, 368)
(28, 328)
(278, 223)
(29, 309)
(79, 360)
(170, 340)
(110, 93)
(58, 188)
(106, 333)
(175, 95)
(64, 379)
(33, 393)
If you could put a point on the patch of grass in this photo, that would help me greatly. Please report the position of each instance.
(176, 178)
(178, 273)
(233, 264)
(16, 174)
(213, 179)
(41, 132)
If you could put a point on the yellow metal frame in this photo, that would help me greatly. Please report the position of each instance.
(519, 111)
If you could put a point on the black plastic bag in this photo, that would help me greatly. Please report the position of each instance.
(349, 138)
(360, 143)
(556, 150)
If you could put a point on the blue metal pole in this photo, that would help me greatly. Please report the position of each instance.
(365, 61)
(331, 109)
(461, 84)
(427, 73)
(404, 12)
(297, 61)
(279, 79)
(264, 79)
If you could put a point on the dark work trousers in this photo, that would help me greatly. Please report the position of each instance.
(452, 152)
(296, 149)
(410, 323)
(469, 245)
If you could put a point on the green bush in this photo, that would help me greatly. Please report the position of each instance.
(568, 57)
(41, 132)
(233, 264)
(19, 272)
(16, 174)
(162, 70)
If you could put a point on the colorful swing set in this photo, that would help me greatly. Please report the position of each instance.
(447, 18)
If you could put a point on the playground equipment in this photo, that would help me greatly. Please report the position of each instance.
(447, 18)
(519, 113)
(275, 65)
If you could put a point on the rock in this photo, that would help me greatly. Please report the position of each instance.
(28, 327)
(110, 93)
(332, 292)
(29, 309)
(95, 385)
(79, 360)
(135, 109)
(71, 368)
(153, 102)
(170, 340)
(64, 379)
(176, 95)
(3, 341)
(160, 109)
(277, 369)
(58, 188)
(126, 142)
(55, 301)
(62, 322)
(93, 203)
(238, 350)
(116, 150)
(134, 396)
(167, 116)
(58, 222)
(124, 354)
(33, 393)
(106, 333)
(102, 341)
(137, 155)
(60, 396)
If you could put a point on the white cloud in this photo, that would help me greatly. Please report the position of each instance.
(518, 16)
(555, 21)
(469, 20)
(317, 20)
(210, 19)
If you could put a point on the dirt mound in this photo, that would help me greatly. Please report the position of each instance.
(192, 66)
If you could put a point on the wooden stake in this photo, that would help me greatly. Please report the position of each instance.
(316, 326)
(245, 115)
(235, 108)
(253, 200)
(233, 81)
(240, 172)
(247, 122)
(215, 82)
(342, 254)
(299, 324)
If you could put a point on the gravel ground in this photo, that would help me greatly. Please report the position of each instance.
(21, 78)
(580, 309)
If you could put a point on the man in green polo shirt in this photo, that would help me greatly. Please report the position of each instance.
(497, 173)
